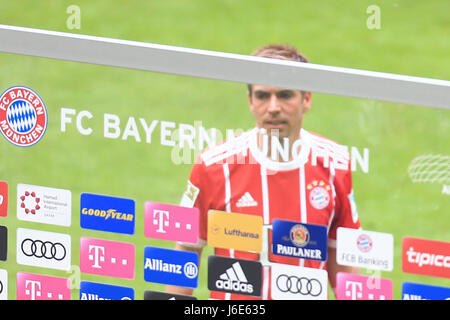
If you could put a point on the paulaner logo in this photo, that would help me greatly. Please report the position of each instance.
(23, 116)
(293, 239)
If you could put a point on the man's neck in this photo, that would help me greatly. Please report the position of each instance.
(277, 148)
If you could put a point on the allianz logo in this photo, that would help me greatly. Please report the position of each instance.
(407, 296)
(189, 269)
(93, 296)
(234, 279)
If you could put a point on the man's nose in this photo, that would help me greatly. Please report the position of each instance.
(274, 105)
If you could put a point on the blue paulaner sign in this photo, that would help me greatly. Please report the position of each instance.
(299, 240)
(105, 213)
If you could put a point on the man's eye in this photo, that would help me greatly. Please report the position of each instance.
(261, 95)
(285, 94)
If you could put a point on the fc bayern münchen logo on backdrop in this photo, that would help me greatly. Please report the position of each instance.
(23, 116)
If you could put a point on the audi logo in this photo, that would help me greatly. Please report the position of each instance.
(43, 249)
(303, 286)
(1, 287)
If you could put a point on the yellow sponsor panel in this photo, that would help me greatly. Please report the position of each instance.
(235, 231)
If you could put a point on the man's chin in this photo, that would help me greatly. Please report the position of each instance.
(276, 132)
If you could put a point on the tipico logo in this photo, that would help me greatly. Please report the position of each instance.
(23, 116)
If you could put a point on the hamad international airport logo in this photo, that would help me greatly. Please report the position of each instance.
(23, 116)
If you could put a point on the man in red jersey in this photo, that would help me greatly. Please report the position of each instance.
(310, 182)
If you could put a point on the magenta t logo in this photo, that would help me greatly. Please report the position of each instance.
(39, 287)
(108, 258)
(173, 223)
(358, 287)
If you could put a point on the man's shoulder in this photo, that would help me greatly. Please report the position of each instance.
(320, 143)
(219, 153)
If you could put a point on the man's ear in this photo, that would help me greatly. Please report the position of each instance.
(307, 101)
(250, 101)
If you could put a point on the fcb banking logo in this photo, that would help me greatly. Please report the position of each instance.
(364, 243)
(23, 116)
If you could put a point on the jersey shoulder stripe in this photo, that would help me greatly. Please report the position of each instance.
(330, 151)
(234, 146)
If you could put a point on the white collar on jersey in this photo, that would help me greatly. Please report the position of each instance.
(268, 163)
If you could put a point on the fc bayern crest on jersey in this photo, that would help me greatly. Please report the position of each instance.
(319, 196)
(23, 116)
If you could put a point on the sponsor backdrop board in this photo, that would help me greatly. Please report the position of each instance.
(365, 249)
(134, 135)
(295, 283)
(418, 291)
(299, 240)
(99, 291)
(171, 267)
(358, 287)
(237, 276)
(235, 231)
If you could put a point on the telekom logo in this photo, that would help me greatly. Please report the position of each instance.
(169, 222)
(107, 258)
(161, 219)
(354, 290)
(97, 256)
(39, 287)
(358, 287)
(33, 288)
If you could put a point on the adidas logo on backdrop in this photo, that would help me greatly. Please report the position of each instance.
(235, 280)
(234, 276)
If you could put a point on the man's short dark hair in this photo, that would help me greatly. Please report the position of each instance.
(279, 51)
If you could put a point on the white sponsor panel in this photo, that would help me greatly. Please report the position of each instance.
(44, 205)
(3, 284)
(298, 283)
(43, 249)
(365, 249)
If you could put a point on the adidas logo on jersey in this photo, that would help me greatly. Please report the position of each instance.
(235, 280)
(246, 201)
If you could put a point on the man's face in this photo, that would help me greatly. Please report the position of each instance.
(279, 109)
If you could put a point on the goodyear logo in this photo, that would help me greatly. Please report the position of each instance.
(106, 213)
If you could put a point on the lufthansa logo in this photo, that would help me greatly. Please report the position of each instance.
(303, 286)
(43, 249)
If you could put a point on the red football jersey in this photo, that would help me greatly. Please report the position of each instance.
(236, 176)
